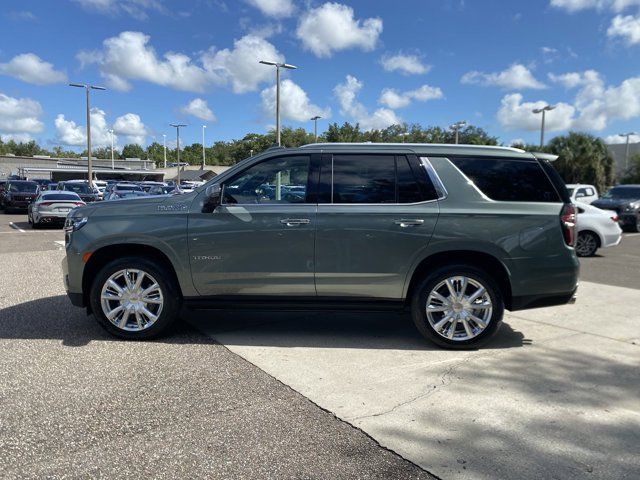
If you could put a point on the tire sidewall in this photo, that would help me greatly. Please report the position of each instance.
(170, 293)
(419, 301)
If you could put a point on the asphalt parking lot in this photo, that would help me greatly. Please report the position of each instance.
(312, 395)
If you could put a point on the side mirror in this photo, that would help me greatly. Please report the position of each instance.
(212, 199)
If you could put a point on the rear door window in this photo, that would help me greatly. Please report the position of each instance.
(508, 180)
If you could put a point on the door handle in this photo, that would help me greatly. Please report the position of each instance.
(292, 222)
(404, 223)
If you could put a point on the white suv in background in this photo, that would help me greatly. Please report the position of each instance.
(582, 193)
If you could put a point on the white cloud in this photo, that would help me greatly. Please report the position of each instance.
(19, 115)
(613, 139)
(30, 68)
(406, 64)
(274, 8)
(568, 80)
(239, 67)
(294, 103)
(517, 77)
(134, 8)
(577, 5)
(129, 56)
(332, 27)
(514, 114)
(16, 137)
(130, 125)
(394, 99)
(347, 92)
(198, 108)
(627, 27)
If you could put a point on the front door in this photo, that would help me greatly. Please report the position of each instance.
(260, 240)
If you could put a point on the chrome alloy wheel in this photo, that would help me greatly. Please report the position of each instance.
(459, 308)
(586, 245)
(131, 300)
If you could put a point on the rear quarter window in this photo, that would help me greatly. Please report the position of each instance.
(508, 180)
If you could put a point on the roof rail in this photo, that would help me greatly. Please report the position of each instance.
(550, 157)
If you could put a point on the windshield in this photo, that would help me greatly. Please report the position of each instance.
(77, 187)
(132, 188)
(23, 187)
(630, 193)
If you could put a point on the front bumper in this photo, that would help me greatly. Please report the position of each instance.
(17, 204)
(76, 297)
(628, 219)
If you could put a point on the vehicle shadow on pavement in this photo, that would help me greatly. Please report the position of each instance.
(55, 318)
(322, 329)
(551, 412)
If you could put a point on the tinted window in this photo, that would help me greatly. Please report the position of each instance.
(508, 180)
(277, 180)
(76, 187)
(61, 196)
(28, 187)
(364, 179)
(623, 192)
(408, 188)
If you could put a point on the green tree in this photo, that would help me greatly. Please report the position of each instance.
(582, 158)
(132, 150)
(632, 174)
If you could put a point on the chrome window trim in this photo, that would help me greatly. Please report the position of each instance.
(435, 178)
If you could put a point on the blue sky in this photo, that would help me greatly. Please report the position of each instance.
(373, 62)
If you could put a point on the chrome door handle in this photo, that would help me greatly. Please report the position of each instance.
(409, 223)
(291, 222)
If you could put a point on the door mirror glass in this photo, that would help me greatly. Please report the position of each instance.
(212, 198)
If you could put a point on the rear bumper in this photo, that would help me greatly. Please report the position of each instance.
(540, 301)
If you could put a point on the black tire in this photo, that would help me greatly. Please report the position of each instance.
(587, 244)
(424, 288)
(172, 299)
(35, 225)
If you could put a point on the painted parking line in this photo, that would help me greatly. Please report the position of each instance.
(59, 242)
(13, 225)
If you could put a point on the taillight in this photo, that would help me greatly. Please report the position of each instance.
(568, 222)
(45, 204)
(615, 219)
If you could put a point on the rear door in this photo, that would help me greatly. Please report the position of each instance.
(376, 215)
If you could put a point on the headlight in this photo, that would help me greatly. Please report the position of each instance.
(71, 224)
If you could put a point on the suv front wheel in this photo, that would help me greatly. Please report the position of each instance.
(135, 298)
(457, 306)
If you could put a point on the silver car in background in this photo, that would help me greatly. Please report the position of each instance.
(52, 206)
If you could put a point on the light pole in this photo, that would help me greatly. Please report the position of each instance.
(315, 126)
(113, 165)
(203, 154)
(88, 88)
(164, 149)
(456, 128)
(177, 127)
(403, 135)
(278, 67)
(626, 150)
(543, 110)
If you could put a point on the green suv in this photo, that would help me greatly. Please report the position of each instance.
(454, 233)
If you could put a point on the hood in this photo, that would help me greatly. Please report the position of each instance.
(612, 202)
(136, 206)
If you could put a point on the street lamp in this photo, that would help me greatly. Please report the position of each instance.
(164, 149)
(543, 110)
(456, 127)
(203, 154)
(403, 135)
(113, 165)
(177, 127)
(315, 126)
(278, 67)
(626, 151)
(88, 88)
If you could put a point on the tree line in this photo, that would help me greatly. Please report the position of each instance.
(583, 158)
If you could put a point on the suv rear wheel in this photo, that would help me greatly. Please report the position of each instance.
(457, 306)
(135, 298)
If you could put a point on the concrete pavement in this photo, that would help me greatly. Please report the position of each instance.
(556, 395)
